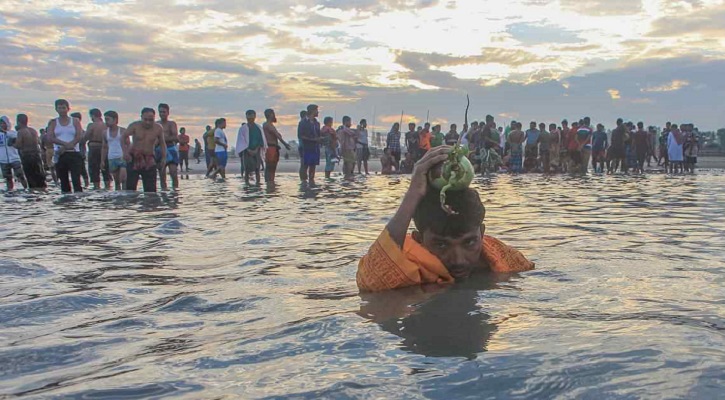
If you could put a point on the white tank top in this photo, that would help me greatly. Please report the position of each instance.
(65, 133)
(114, 144)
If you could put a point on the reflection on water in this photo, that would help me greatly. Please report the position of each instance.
(435, 321)
(221, 290)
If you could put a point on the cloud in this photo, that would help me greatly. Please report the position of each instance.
(667, 87)
(707, 22)
(603, 7)
(614, 94)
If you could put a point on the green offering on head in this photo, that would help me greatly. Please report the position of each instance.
(456, 173)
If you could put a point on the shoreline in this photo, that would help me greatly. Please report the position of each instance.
(292, 166)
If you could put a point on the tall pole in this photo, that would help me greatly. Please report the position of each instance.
(427, 116)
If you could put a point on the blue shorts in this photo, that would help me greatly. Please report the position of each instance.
(114, 164)
(311, 157)
(222, 157)
(172, 155)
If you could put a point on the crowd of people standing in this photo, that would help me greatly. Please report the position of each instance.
(149, 148)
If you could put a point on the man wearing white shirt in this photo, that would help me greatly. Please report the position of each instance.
(9, 156)
(363, 151)
(220, 150)
(251, 144)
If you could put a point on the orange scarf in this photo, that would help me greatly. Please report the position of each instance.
(386, 266)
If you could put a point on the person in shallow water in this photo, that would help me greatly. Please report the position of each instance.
(444, 248)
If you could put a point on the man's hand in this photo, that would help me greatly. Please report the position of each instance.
(419, 181)
(287, 147)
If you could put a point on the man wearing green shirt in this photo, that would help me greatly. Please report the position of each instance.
(437, 138)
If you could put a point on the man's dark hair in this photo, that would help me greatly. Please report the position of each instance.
(565, 122)
(363, 121)
(346, 119)
(430, 216)
(327, 119)
(268, 113)
(489, 118)
(95, 113)
(22, 119)
(148, 109)
(182, 129)
(303, 114)
(311, 107)
(112, 114)
(219, 122)
(164, 106)
(411, 124)
(250, 113)
(77, 115)
(61, 102)
(208, 127)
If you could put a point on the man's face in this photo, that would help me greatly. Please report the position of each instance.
(363, 124)
(163, 114)
(3, 125)
(223, 124)
(314, 113)
(533, 126)
(110, 121)
(411, 127)
(147, 119)
(347, 123)
(62, 109)
(272, 117)
(460, 255)
(251, 118)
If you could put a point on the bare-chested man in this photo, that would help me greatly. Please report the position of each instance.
(273, 139)
(140, 155)
(95, 131)
(171, 137)
(28, 144)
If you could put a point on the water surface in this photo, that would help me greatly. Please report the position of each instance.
(220, 291)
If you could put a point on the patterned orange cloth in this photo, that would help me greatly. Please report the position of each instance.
(387, 267)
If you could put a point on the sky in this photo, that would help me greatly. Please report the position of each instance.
(529, 60)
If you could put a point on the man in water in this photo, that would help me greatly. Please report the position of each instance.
(545, 147)
(9, 158)
(664, 137)
(348, 140)
(393, 144)
(531, 162)
(555, 148)
(140, 156)
(83, 149)
(516, 147)
(66, 133)
(303, 168)
(184, 148)
(274, 138)
(221, 149)
(251, 144)
(640, 141)
(329, 142)
(617, 151)
(48, 153)
(308, 130)
(95, 131)
(363, 149)
(171, 137)
(208, 146)
(412, 141)
(564, 160)
(584, 140)
(444, 248)
(599, 149)
(28, 144)
(113, 150)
